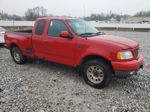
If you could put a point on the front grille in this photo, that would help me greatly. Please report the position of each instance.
(136, 51)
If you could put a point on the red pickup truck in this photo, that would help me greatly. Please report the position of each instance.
(76, 43)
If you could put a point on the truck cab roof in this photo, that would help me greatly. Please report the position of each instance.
(58, 18)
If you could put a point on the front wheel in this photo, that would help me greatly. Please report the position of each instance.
(17, 56)
(97, 73)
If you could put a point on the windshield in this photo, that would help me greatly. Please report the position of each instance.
(82, 28)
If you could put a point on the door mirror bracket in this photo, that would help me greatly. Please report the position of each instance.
(65, 34)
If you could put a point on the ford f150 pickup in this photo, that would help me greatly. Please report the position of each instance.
(76, 43)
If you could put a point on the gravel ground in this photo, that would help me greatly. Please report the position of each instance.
(48, 87)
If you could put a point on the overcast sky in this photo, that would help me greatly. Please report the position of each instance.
(75, 7)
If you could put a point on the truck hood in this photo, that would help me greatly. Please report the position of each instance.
(122, 42)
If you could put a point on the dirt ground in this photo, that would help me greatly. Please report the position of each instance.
(48, 87)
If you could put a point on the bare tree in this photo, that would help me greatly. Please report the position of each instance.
(106, 17)
(142, 14)
(36, 12)
(5, 16)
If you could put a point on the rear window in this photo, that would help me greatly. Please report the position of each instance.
(40, 27)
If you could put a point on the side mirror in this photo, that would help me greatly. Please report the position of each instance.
(65, 34)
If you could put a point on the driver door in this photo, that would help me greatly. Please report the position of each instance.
(59, 49)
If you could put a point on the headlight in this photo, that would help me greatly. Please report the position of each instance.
(124, 55)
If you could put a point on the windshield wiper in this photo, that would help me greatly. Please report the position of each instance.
(91, 34)
(100, 33)
(87, 34)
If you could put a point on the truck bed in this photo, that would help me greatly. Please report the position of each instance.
(21, 31)
(22, 39)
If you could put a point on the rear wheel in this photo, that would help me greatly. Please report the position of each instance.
(17, 55)
(97, 73)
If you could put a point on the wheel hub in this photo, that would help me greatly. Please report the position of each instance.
(95, 74)
(16, 55)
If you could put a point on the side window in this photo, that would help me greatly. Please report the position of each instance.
(40, 27)
(55, 27)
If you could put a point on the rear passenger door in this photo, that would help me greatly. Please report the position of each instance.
(38, 39)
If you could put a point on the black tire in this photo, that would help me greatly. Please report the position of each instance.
(103, 73)
(17, 55)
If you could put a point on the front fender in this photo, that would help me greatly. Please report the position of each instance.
(103, 54)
